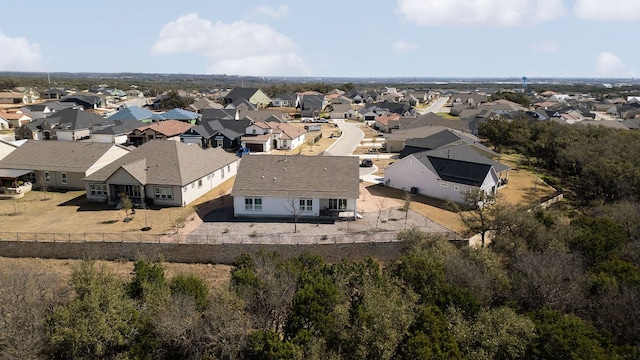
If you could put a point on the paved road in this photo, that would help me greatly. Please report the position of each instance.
(348, 142)
(436, 107)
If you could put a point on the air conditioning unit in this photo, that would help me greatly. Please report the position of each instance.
(414, 190)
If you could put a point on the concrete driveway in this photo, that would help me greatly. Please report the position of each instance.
(348, 142)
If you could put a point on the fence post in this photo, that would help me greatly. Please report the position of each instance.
(54, 236)
(69, 236)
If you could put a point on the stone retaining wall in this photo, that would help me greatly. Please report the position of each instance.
(193, 253)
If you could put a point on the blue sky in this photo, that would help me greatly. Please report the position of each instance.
(350, 38)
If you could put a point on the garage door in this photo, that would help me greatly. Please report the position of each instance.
(254, 147)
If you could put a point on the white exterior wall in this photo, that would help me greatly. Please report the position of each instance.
(109, 139)
(191, 192)
(298, 141)
(278, 207)
(192, 140)
(409, 172)
(177, 195)
(71, 135)
(281, 207)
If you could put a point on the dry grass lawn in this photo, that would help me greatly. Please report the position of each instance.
(70, 212)
(217, 276)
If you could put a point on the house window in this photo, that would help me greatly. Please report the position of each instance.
(254, 131)
(337, 204)
(63, 176)
(306, 205)
(222, 172)
(163, 192)
(253, 204)
(96, 189)
(219, 143)
(456, 188)
(32, 178)
(200, 183)
(209, 177)
(47, 177)
(193, 184)
(229, 168)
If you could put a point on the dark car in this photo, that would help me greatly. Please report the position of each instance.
(366, 163)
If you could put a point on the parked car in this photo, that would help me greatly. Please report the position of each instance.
(366, 163)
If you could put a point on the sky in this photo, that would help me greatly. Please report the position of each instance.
(330, 38)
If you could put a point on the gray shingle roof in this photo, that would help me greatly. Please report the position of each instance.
(320, 177)
(169, 163)
(55, 156)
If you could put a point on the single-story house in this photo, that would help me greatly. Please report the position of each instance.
(447, 173)
(134, 113)
(387, 123)
(166, 173)
(226, 134)
(161, 130)
(14, 119)
(255, 96)
(265, 136)
(296, 186)
(117, 132)
(60, 164)
(74, 124)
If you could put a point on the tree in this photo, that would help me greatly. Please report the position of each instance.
(43, 182)
(429, 337)
(477, 212)
(498, 333)
(567, 337)
(172, 100)
(127, 205)
(268, 287)
(100, 322)
(292, 206)
(26, 297)
(549, 280)
(597, 239)
(191, 286)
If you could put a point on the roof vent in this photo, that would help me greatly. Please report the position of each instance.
(262, 177)
(325, 169)
(274, 178)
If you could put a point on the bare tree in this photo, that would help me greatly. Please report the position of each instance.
(406, 207)
(291, 205)
(476, 212)
(44, 184)
(26, 296)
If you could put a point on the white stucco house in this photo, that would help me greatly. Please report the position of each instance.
(448, 173)
(306, 186)
(264, 136)
(162, 172)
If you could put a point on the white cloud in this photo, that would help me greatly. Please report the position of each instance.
(546, 47)
(239, 48)
(274, 13)
(480, 13)
(610, 65)
(609, 10)
(18, 54)
(401, 46)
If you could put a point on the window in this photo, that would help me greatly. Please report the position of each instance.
(219, 142)
(63, 176)
(254, 204)
(229, 168)
(222, 172)
(200, 183)
(32, 177)
(47, 177)
(337, 204)
(98, 189)
(306, 205)
(456, 187)
(163, 192)
(193, 184)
